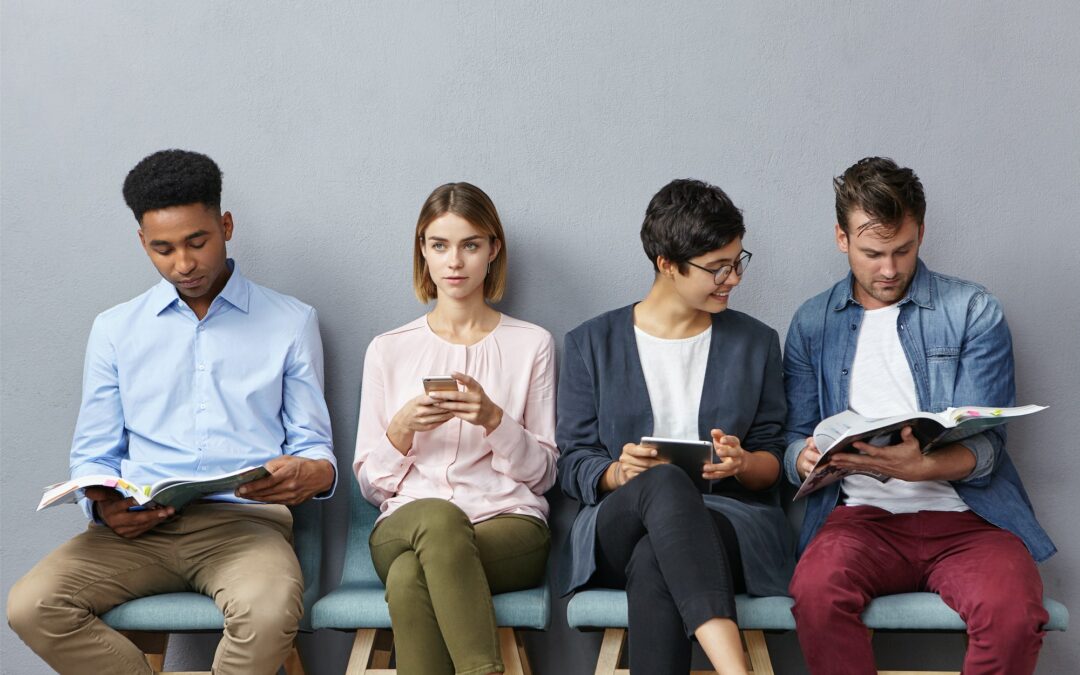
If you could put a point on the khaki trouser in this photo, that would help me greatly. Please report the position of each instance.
(440, 571)
(238, 554)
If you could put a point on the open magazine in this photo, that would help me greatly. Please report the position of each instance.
(933, 430)
(174, 492)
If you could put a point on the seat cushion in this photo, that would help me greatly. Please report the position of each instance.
(166, 613)
(604, 608)
(360, 605)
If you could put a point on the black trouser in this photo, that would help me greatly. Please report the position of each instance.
(678, 561)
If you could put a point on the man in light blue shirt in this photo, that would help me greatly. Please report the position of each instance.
(203, 374)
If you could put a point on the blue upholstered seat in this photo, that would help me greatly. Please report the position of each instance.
(602, 608)
(359, 602)
(183, 612)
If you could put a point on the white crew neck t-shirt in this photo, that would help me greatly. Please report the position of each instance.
(674, 376)
(882, 386)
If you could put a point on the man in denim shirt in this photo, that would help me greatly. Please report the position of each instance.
(892, 338)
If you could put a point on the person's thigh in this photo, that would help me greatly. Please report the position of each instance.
(976, 568)
(432, 525)
(243, 551)
(862, 548)
(513, 550)
(98, 569)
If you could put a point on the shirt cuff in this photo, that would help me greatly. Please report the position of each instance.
(791, 460)
(91, 469)
(327, 454)
(386, 467)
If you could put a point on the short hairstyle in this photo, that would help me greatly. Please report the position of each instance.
(471, 203)
(883, 190)
(687, 218)
(172, 178)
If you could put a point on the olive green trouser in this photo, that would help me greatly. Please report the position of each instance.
(440, 571)
(238, 554)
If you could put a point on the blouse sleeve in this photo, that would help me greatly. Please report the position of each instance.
(525, 450)
(378, 465)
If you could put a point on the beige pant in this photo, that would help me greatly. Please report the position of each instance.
(238, 554)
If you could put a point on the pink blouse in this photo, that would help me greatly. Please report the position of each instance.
(506, 471)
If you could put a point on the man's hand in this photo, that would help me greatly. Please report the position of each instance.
(472, 405)
(807, 458)
(733, 458)
(112, 508)
(904, 460)
(292, 480)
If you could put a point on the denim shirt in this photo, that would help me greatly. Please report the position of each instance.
(957, 343)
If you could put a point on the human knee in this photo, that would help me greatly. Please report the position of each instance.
(823, 590)
(442, 517)
(669, 478)
(32, 601)
(265, 608)
(403, 580)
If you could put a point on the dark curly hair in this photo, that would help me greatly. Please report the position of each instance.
(172, 178)
(687, 218)
(883, 190)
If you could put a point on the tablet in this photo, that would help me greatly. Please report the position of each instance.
(690, 456)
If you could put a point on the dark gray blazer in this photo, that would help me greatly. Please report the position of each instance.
(603, 403)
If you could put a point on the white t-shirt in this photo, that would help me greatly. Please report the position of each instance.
(882, 386)
(674, 375)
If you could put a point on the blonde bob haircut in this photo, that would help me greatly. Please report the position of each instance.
(471, 203)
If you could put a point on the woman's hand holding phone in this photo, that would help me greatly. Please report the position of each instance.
(472, 405)
(418, 414)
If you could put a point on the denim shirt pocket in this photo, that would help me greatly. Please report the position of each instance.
(942, 364)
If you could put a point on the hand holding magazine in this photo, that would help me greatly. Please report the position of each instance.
(174, 492)
(933, 430)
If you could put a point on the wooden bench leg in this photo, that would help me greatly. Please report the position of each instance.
(611, 651)
(370, 653)
(513, 653)
(152, 645)
(757, 652)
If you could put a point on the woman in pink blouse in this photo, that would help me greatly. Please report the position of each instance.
(458, 475)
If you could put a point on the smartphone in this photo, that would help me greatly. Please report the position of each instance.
(439, 383)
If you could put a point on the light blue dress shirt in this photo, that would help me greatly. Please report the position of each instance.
(166, 395)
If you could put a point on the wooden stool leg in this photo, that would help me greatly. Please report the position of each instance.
(509, 647)
(361, 652)
(152, 645)
(610, 651)
(384, 647)
(757, 652)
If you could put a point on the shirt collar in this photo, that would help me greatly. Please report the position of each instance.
(919, 292)
(237, 292)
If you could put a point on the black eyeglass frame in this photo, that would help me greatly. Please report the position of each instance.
(721, 274)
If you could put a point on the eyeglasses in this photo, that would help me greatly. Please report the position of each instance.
(721, 274)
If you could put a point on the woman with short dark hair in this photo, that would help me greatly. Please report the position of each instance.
(679, 364)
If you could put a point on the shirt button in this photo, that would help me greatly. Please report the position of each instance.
(202, 406)
(901, 326)
(202, 367)
(200, 327)
(842, 372)
(853, 326)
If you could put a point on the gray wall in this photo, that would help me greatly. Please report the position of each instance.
(332, 122)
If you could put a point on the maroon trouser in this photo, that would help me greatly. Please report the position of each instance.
(983, 572)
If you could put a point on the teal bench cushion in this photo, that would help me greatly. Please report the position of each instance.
(603, 608)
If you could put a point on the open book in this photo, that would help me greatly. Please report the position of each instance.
(174, 492)
(933, 430)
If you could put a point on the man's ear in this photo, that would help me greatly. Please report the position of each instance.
(842, 239)
(227, 225)
(142, 237)
(922, 229)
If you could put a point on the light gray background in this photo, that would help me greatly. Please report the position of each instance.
(333, 121)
